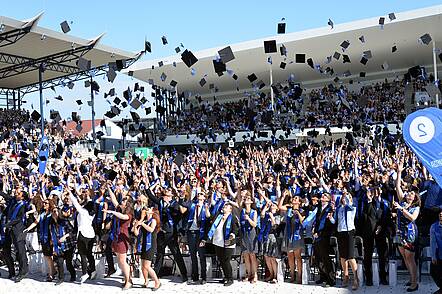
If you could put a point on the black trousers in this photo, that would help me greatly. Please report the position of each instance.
(109, 256)
(325, 266)
(436, 273)
(7, 256)
(380, 241)
(85, 246)
(61, 259)
(169, 240)
(224, 256)
(193, 238)
(20, 255)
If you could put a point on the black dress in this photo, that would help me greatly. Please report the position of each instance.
(147, 243)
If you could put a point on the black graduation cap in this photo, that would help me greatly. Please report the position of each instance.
(59, 98)
(394, 49)
(59, 149)
(252, 77)
(111, 174)
(79, 102)
(117, 100)
(99, 134)
(381, 21)
(135, 116)
(330, 23)
(281, 28)
(270, 46)
(124, 104)
(310, 63)
(111, 75)
(278, 166)
(362, 74)
(24, 154)
(346, 58)
(283, 50)
(202, 82)
(300, 58)
(336, 55)
(110, 114)
(65, 27)
(235, 77)
(188, 58)
(136, 87)
(391, 16)
(160, 63)
(147, 46)
(179, 158)
(426, 39)
(23, 163)
(362, 39)
(282, 65)
(95, 87)
(177, 49)
(262, 134)
(79, 127)
(364, 60)
(84, 64)
(219, 66)
(148, 110)
(164, 40)
(120, 63)
(75, 117)
(160, 109)
(143, 99)
(96, 151)
(102, 123)
(345, 44)
(226, 54)
(135, 103)
(127, 94)
(173, 83)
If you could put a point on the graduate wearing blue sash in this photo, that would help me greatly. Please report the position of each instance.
(222, 234)
(436, 252)
(146, 229)
(15, 233)
(197, 226)
(248, 223)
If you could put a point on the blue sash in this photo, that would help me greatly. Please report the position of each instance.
(217, 207)
(215, 225)
(266, 226)
(148, 240)
(58, 248)
(99, 216)
(295, 233)
(169, 217)
(115, 228)
(44, 227)
(245, 225)
(202, 218)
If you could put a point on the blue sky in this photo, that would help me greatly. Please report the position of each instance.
(196, 24)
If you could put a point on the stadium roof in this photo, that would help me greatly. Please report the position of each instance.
(404, 32)
(24, 45)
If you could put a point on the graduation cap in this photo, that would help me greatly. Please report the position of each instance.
(346, 59)
(270, 46)
(99, 134)
(135, 103)
(127, 94)
(71, 85)
(226, 54)
(283, 50)
(282, 65)
(385, 66)
(59, 149)
(23, 154)
(330, 23)
(219, 66)
(281, 28)
(300, 58)
(23, 163)
(110, 114)
(148, 110)
(381, 21)
(120, 63)
(135, 116)
(160, 63)
(115, 110)
(117, 100)
(95, 87)
(177, 49)
(426, 39)
(278, 167)
(394, 49)
(362, 74)
(188, 58)
(364, 60)
(347, 73)
(367, 54)
(102, 123)
(362, 39)
(96, 151)
(59, 98)
(65, 27)
(337, 55)
(179, 158)
(110, 174)
(235, 77)
(164, 40)
(143, 100)
(202, 82)
(79, 102)
(75, 117)
(147, 46)
(391, 16)
(252, 77)
(110, 93)
(111, 75)
(84, 64)
(124, 104)
(345, 44)
(173, 83)
(79, 127)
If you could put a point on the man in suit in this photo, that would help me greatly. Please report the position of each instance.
(14, 235)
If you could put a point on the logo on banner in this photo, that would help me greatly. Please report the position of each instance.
(423, 134)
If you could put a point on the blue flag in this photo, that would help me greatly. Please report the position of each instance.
(422, 131)
(43, 154)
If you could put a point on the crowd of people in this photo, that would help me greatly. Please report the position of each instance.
(267, 201)
(329, 106)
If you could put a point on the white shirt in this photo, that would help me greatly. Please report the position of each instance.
(218, 236)
(84, 219)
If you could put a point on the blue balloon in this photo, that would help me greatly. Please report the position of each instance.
(422, 131)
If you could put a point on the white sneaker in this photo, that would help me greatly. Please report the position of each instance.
(84, 278)
(93, 275)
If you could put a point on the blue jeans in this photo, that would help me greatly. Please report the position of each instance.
(193, 238)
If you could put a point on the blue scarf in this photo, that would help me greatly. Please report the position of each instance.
(18, 206)
(216, 223)
(44, 223)
(202, 217)
(217, 207)
(293, 234)
(266, 226)
(115, 228)
(148, 240)
(169, 217)
(245, 225)
(2, 229)
(323, 218)
(56, 234)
